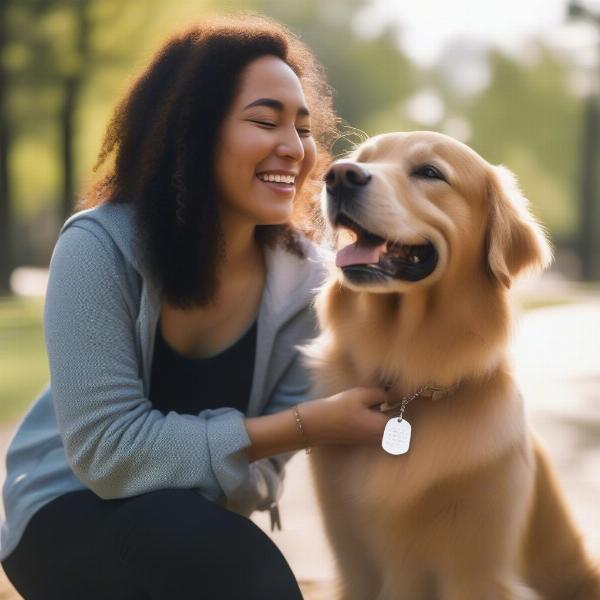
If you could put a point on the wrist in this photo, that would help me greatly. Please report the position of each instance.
(300, 428)
(310, 420)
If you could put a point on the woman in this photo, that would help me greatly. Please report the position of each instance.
(173, 312)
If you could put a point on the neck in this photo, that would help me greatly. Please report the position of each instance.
(242, 251)
(438, 335)
(452, 336)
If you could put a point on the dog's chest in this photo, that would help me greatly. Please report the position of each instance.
(448, 438)
(368, 476)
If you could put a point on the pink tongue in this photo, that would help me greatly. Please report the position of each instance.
(354, 254)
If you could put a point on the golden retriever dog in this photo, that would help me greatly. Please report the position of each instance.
(469, 508)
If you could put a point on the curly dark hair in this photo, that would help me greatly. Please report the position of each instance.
(162, 139)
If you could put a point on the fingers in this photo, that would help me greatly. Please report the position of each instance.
(354, 416)
(375, 421)
(373, 396)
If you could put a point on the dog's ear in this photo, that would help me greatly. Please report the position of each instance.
(515, 240)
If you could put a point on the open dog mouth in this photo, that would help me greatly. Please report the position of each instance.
(371, 258)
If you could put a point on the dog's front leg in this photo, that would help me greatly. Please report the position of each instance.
(357, 580)
(358, 576)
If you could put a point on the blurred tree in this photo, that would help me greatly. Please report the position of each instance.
(75, 40)
(73, 59)
(589, 191)
(527, 118)
(53, 51)
(72, 82)
(6, 259)
(589, 179)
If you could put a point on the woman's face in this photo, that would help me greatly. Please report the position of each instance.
(265, 149)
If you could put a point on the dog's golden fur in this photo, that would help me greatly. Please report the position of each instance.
(472, 511)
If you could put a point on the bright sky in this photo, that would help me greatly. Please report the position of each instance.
(427, 25)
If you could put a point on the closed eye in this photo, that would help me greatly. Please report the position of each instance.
(428, 172)
(302, 131)
(268, 124)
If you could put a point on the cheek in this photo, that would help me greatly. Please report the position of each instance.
(457, 208)
(249, 152)
(245, 150)
(310, 158)
(310, 154)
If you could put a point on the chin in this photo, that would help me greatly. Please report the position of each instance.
(274, 217)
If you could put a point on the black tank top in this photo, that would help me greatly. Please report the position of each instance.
(189, 385)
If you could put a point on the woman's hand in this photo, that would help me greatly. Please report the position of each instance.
(348, 418)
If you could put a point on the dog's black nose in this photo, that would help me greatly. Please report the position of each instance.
(346, 174)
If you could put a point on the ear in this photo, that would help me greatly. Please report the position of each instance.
(515, 240)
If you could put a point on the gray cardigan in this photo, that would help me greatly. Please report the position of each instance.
(94, 426)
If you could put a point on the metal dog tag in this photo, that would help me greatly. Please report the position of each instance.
(396, 437)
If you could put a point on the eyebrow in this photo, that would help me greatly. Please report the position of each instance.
(276, 105)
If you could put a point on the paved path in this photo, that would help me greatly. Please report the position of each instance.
(556, 352)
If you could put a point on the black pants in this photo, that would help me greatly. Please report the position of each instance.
(168, 545)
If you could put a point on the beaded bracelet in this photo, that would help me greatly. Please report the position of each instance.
(301, 429)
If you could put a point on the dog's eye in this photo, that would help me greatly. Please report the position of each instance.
(428, 172)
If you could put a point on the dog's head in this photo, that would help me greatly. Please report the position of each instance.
(411, 208)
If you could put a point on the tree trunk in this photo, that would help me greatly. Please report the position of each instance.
(6, 257)
(589, 189)
(71, 92)
(72, 89)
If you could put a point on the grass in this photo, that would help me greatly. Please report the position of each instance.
(23, 364)
(533, 303)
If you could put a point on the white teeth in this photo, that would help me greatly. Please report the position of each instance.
(277, 178)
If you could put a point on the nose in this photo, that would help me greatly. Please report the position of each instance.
(346, 175)
(291, 146)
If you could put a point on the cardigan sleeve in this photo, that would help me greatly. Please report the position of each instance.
(115, 442)
(294, 387)
(266, 476)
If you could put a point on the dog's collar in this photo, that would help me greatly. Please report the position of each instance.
(431, 390)
(437, 392)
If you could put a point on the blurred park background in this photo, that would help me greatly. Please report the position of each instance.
(518, 80)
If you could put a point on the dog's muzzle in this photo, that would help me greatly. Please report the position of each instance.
(371, 258)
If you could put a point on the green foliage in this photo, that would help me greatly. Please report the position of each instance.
(530, 121)
(36, 169)
(550, 196)
(530, 106)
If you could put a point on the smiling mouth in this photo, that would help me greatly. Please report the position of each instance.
(286, 181)
(372, 258)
